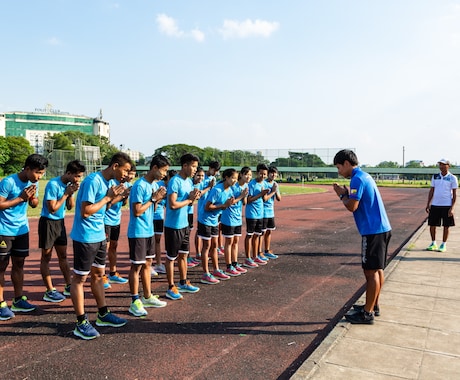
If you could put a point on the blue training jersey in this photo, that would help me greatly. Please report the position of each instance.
(54, 190)
(269, 205)
(233, 216)
(370, 216)
(159, 213)
(218, 195)
(255, 209)
(112, 215)
(91, 229)
(13, 220)
(141, 226)
(178, 218)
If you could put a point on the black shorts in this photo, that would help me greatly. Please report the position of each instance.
(177, 242)
(438, 214)
(141, 249)
(207, 232)
(16, 246)
(230, 231)
(374, 249)
(268, 224)
(86, 255)
(190, 221)
(158, 226)
(51, 232)
(112, 233)
(254, 226)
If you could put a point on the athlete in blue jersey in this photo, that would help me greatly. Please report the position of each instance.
(255, 217)
(144, 194)
(364, 200)
(112, 222)
(180, 195)
(269, 225)
(220, 198)
(16, 192)
(90, 245)
(59, 197)
(232, 222)
(159, 225)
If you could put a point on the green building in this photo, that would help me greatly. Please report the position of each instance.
(35, 126)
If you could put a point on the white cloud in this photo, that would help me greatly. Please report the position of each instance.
(54, 41)
(169, 27)
(248, 28)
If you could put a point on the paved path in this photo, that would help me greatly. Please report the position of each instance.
(417, 335)
(262, 325)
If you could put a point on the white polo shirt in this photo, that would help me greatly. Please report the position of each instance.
(443, 186)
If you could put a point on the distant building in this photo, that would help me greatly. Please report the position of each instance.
(135, 155)
(35, 126)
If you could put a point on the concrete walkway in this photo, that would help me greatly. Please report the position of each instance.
(417, 335)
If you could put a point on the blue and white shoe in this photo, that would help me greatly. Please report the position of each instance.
(22, 305)
(173, 294)
(85, 330)
(271, 255)
(117, 279)
(5, 312)
(188, 288)
(110, 319)
(53, 296)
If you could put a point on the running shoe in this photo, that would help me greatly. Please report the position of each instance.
(173, 294)
(106, 282)
(360, 318)
(240, 269)
(5, 312)
(232, 272)
(188, 288)
(220, 275)
(160, 269)
(249, 263)
(153, 272)
(85, 330)
(209, 279)
(271, 255)
(432, 247)
(221, 251)
(67, 290)
(360, 308)
(117, 279)
(53, 296)
(196, 261)
(442, 248)
(191, 263)
(259, 261)
(110, 319)
(262, 257)
(137, 308)
(22, 305)
(153, 301)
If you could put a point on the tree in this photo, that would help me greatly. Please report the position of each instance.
(388, 164)
(20, 149)
(299, 159)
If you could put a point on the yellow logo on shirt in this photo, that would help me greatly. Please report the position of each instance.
(3, 244)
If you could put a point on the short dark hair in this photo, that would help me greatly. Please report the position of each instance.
(36, 161)
(272, 169)
(187, 158)
(262, 167)
(133, 167)
(75, 167)
(346, 155)
(120, 158)
(159, 161)
(214, 165)
(228, 172)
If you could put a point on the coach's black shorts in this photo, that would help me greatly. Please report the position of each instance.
(438, 214)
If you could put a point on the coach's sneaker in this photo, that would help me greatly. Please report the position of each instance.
(153, 301)
(160, 269)
(110, 319)
(432, 247)
(249, 263)
(137, 308)
(5, 312)
(53, 296)
(220, 275)
(22, 305)
(271, 255)
(67, 290)
(117, 279)
(209, 279)
(360, 318)
(442, 247)
(188, 288)
(85, 330)
(106, 282)
(173, 294)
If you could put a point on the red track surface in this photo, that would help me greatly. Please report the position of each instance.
(261, 325)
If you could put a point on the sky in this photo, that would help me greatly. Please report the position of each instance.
(380, 77)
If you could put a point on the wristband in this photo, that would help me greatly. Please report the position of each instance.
(343, 195)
